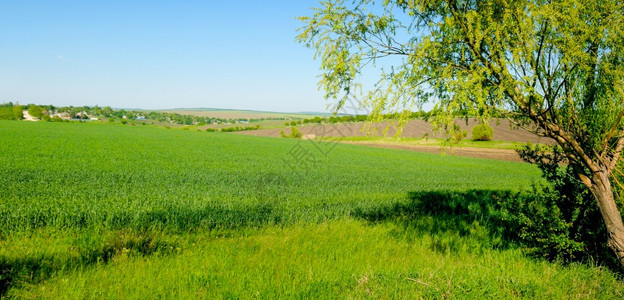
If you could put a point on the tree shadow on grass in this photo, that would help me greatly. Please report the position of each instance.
(477, 220)
(482, 215)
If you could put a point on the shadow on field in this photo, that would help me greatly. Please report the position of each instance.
(87, 250)
(480, 214)
(478, 220)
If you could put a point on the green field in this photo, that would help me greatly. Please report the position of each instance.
(111, 211)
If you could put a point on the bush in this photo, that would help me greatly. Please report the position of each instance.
(482, 132)
(540, 221)
(35, 111)
(562, 221)
(294, 133)
(17, 112)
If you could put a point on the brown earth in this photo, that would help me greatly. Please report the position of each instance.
(503, 131)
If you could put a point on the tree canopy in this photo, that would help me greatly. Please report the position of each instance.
(554, 66)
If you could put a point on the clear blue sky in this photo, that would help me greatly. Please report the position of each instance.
(158, 54)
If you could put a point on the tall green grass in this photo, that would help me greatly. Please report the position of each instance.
(335, 259)
(84, 175)
(111, 211)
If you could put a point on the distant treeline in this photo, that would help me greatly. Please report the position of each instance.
(410, 115)
(10, 111)
(357, 118)
(236, 128)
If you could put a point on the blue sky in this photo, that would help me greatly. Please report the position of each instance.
(158, 54)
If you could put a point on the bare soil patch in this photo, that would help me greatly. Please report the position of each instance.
(415, 128)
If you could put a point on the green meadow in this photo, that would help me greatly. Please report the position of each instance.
(93, 210)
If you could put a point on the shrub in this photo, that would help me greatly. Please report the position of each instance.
(295, 133)
(562, 221)
(35, 111)
(482, 132)
(541, 221)
(17, 112)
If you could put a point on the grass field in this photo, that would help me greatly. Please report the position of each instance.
(111, 211)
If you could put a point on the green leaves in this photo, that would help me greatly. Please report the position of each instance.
(515, 55)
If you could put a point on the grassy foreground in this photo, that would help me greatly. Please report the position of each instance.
(111, 211)
(334, 259)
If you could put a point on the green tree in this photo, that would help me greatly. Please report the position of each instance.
(35, 111)
(17, 112)
(555, 65)
(6, 113)
(295, 133)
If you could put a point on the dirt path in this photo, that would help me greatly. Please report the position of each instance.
(28, 117)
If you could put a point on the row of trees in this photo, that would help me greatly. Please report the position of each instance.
(403, 115)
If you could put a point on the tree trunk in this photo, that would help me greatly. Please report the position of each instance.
(601, 189)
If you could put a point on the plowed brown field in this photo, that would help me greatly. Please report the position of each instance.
(418, 129)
